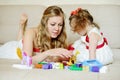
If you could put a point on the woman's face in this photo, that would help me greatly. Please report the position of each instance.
(55, 25)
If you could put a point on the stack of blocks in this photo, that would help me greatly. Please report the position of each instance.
(51, 65)
(89, 65)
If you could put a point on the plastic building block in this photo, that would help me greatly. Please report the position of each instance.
(73, 59)
(43, 65)
(95, 69)
(19, 53)
(57, 66)
(47, 66)
(61, 66)
(42, 62)
(93, 65)
(78, 64)
(74, 67)
(66, 67)
(38, 66)
(26, 60)
(85, 68)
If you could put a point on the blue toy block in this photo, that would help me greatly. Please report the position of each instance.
(78, 64)
(93, 65)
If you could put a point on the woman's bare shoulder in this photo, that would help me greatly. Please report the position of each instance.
(31, 31)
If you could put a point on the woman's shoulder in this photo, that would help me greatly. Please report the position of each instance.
(31, 31)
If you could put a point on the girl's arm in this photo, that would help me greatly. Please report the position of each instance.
(93, 42)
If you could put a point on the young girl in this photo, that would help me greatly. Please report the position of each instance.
(92, 44)
(47, 41)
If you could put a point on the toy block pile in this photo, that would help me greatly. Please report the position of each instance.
(89, 65)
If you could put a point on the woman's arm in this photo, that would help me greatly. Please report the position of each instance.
(57, 54)
(28, 48)
(28, 42)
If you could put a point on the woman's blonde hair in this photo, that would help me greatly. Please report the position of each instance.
(44, 41)
(81, 18)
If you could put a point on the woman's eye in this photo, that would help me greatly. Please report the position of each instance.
(52, 24)
(60, 25)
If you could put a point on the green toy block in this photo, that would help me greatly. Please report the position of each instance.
(73, 67)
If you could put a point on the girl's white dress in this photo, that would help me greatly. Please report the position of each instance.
(103, 54)
(8, 50)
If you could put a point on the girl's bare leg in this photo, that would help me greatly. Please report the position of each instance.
(22, 26)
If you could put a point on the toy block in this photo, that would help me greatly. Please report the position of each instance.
(42, 62)
(57, 66)
(93, 65)
(19, 53)
(38, 66)
(74, 67)
(78, 64)
(61, 66)
(73, 58)
(66, 67)
(47, 66)
(26, 60)
(95, 69)
(85, 68)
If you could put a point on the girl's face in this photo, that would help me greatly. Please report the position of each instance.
(55, 25)
(82, 32)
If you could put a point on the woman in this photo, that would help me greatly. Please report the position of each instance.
(47, 42)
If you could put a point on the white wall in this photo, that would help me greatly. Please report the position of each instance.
(58, 2)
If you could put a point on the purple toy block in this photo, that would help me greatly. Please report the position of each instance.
(50, 66)
(95, 69)
(47, 66)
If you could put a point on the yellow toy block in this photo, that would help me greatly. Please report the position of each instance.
(73, 59)
(19, 53)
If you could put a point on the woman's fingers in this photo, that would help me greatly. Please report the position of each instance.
(68, 54)
(64, 53)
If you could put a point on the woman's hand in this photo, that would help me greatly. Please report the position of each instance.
(60, 52)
